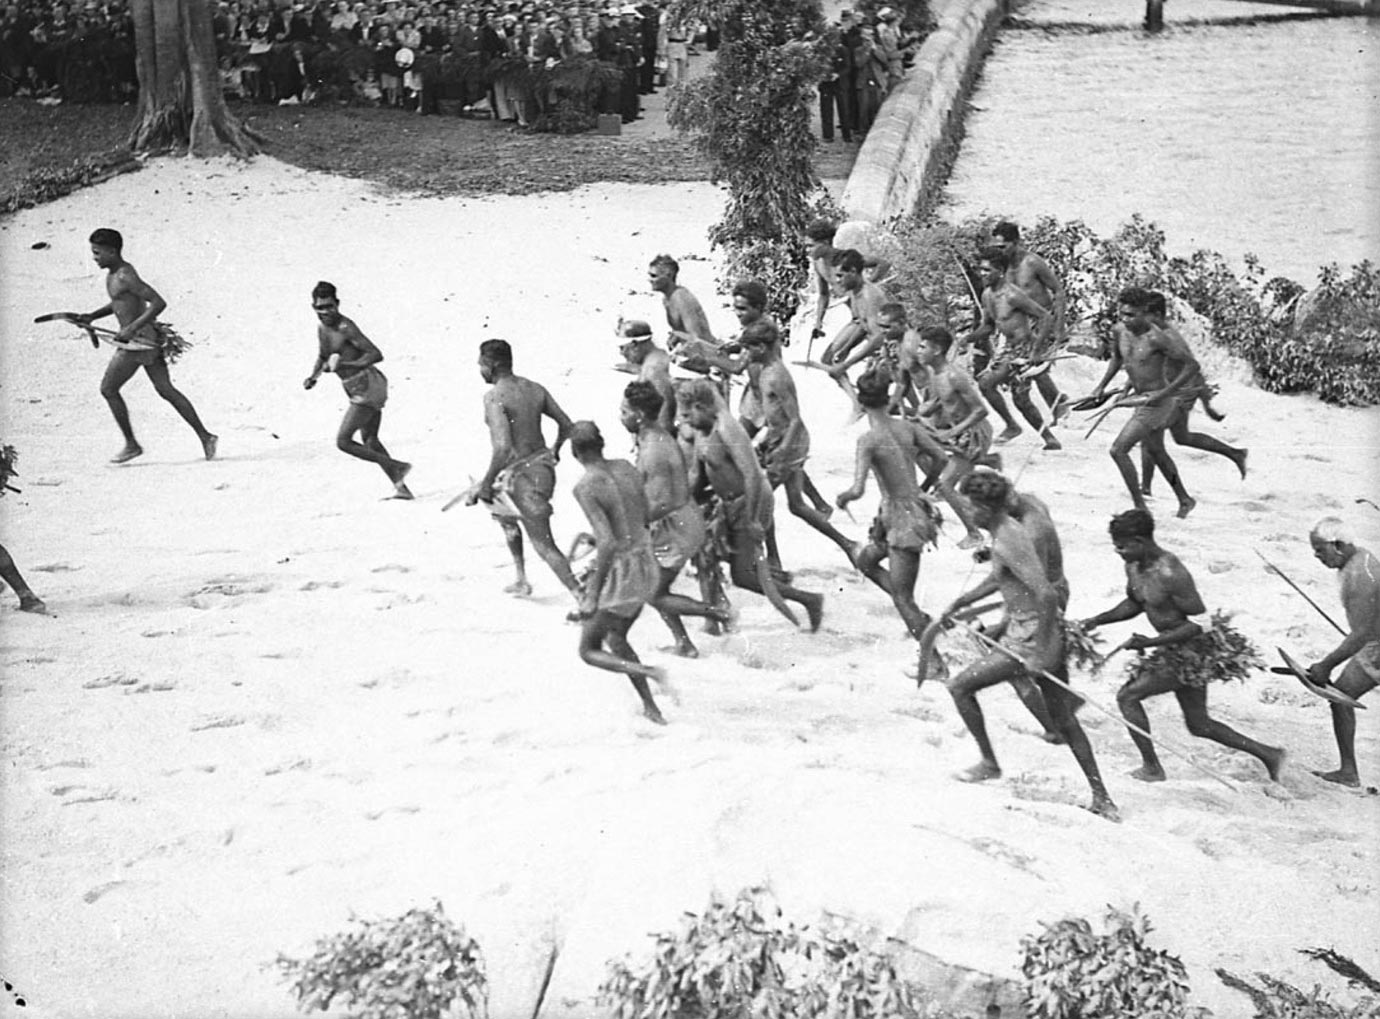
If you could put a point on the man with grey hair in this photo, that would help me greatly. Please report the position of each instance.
(1335, 547)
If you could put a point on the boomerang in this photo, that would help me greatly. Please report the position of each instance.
(1327, 693)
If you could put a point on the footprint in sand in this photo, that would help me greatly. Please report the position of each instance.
(374, 815)
(56, 568)
(295, 764)
(316, 585)
(218, 722)
(100, 890)
(392, 568)
(112, 679)
(153, 688)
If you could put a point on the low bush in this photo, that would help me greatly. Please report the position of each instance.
(415, 966)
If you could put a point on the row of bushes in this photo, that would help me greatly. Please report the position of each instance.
(1325, 340)
(741, 959)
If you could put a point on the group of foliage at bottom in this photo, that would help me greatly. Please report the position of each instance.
(742, 960)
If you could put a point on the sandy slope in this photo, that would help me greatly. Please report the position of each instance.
(270, 698)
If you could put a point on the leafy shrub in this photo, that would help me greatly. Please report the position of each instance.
(740, 960)
(415, 966)
(1277, 999)
(750, 115)
(1329, 345)
(572, 88)
(40, 186)
(1072, 973)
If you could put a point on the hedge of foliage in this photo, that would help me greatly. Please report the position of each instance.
(1325, 341)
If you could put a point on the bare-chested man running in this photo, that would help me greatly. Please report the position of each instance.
(1017, 326)
(956, 411)
(1336, 548)
(9, 572)
(676, 523)
(684, 314)
(819, 238)
(624, 573)
(862, 336)
(1146, 352)
(906, 520)
(1195, 389)
(344, 349)
(1032, 274)
(521, 467)
(1158, 584)
(783, 443)
(745, 501)
(136, 306)
(652, 363)
(1032, 633)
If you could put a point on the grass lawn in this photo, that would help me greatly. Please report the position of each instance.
(51, 150)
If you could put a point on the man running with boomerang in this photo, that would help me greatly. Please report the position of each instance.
(141, 341)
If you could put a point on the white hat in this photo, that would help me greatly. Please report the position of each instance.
(630, 9)
(886, 14)
(404, 57)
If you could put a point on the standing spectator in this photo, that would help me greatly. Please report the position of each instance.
(836, 90)
(650, 14)
(889, 45)
(630, 61)
(869, 80)
(386, 64)
(678, 35)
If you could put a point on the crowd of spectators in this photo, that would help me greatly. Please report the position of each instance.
(83, 51)
(869, 60)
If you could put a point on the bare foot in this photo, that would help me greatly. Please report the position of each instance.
(653, 714)
(685, 649)
(1103, 807)
(32, 603)
(814, 608)
(1146, 493)
(1341, 776)
(1056, 738)
(983, 771)
(128, 453)
(1214, 413)
(208, 445)
(663, 683)
(1147, 774)
(1241, 462)
(1007, 434)
(1274, 763)
(714, 627)
(518, 587)
(1050, 441)
(973, 540)
(1185, 507)
(1061, 407)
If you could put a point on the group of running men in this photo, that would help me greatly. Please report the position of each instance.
(702, 488)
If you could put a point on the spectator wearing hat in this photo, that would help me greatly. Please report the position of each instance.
(889, 44)
(630, 62)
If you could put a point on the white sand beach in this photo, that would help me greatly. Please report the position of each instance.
(269, 698)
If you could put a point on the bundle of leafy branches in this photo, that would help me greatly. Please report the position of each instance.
(1221, 653)
(1082, 646)
(420, 965)
(1279, 999)
(1071, 971)
(1327, 342)
(8, 458)
(751, 116)
(571, 89)
(742, 959)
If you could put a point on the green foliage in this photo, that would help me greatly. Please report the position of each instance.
(1220, 654)
(1327, 343)
(416, 966)
(739, 960)
(1082, 646)
(572, 88)
(1277, 999)
(751, 116)
(40, 186)
(1072, 973)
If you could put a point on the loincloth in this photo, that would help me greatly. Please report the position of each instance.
(729, 523)
(908, 524)
(170, 342)
(1368, 660)
(677, 536)
(973, 443)
(781, 461)
(1156, 417)
(1022, 635)
(1219, 653)
(528, 484)
(630, 581)
(367, 387)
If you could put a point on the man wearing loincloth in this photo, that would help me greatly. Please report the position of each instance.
(1195, 389)
(744, 512)
(1032, 275)
(653, 365)
(862, 336)
(1017, 326)
(675, 522)
(955, 409)
(624, 576)
(1335, 548)
(819, 239)
(907, 521)
(344, 349)
(783, 442)
(136, 306)
(1032, 641)
(684, 313)
(521, 476)
(1158, 584)
(1145, 352)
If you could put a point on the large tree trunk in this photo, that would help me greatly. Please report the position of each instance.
(180, 101)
